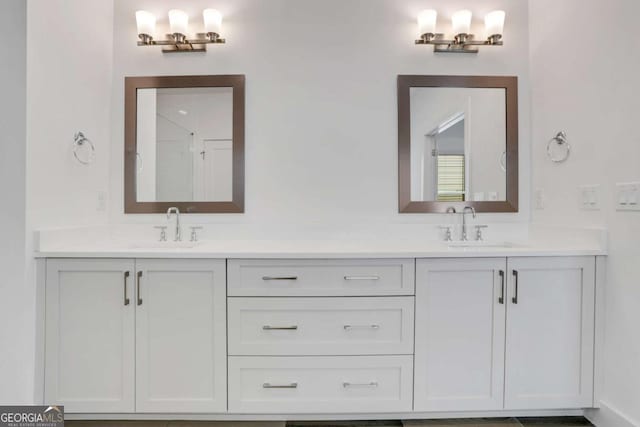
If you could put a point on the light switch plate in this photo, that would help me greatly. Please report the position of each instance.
(590, 197)
(628, 196)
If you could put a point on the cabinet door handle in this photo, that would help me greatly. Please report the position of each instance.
(279, 328)
(273, 278)
(269, 385)
(361, 277)
(501, 299)
(371, 384)
(138, 287)
(351, 327)
(515, 287)
(126, 279)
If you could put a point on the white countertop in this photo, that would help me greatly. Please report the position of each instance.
(141, 242)
(317, 249)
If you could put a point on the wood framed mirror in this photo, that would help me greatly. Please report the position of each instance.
(457, 143)
(184, 144)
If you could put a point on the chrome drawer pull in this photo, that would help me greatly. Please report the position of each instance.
(269, 385)
(361, 277)
(350, 327)
(371, 384)
(273, 278)
(279, 328)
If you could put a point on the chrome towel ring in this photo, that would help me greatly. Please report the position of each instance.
(82, 143)
(558, 148)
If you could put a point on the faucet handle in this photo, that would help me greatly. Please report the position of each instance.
(163, 232)
(447, 233)
(194, 233)
(479, 229)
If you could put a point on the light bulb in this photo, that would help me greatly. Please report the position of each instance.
(146, 22)
(494, 23)
(212, 21)
(178, 21)
(461, 21)
(427, 22)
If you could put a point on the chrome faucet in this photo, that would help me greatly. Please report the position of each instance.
(178, 235)
(464, 220)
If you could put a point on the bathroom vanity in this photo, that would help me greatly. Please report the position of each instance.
(200, 334)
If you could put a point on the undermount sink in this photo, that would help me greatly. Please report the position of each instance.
(164, 245)
(479, 244)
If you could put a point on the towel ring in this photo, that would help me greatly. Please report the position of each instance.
(80, 141)
(559, 141)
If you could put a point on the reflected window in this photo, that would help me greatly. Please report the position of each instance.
(451, 178)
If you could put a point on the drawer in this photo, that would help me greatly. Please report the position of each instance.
(320, 326)
(321, 277)
(283, 385)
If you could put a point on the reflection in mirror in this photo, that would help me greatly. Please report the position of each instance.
(184, 144)
(458, 144)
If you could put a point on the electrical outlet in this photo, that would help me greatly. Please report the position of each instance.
(102, 201)
(628, 196)
(590, 197)
(539, 199)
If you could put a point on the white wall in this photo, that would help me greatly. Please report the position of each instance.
(591, 92)
(69, 90)
(321, 129)
(16, 323)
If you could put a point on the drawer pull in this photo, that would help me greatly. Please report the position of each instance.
(269, 385)
(372, 384)
(351, 327)
(361, 278)
(279, 328)
(275, 278)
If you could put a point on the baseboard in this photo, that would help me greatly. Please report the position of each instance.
(332, 417)
(608, 416)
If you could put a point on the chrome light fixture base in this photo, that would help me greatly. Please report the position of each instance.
(179, 43)
(462, 43)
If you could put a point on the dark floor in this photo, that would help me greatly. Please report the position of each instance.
(488, 422)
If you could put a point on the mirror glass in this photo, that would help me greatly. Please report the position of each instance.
(458, 144)
(184, 144)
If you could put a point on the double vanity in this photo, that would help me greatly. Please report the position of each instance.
(197, 333)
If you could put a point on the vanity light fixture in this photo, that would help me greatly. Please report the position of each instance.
(463, 41)
(177, 40)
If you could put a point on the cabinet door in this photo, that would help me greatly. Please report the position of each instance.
(460, 321)
(550, 333)
(89, 361)
(181, 336)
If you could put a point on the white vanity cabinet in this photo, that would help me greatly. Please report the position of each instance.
(460, 321)
(181, 353)
(550, 333)
(213, 338)
(527, 323)
(321, 336)
(126, 336)
(90, 335)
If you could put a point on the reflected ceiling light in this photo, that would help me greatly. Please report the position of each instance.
(463, 40)
(179, 27)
